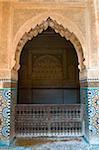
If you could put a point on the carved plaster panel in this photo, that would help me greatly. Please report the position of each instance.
(58, 29)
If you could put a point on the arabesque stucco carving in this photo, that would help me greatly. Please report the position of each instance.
(39, 28)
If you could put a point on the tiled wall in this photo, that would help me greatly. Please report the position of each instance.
(7, 97)
(90, 96)
(93, 114)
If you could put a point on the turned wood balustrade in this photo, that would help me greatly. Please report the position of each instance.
(34, 120)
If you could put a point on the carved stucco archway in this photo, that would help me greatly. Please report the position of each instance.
(39, 28)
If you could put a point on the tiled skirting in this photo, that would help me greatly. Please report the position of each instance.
(90, 97)
(7, 100)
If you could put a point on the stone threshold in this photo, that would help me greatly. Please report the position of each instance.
(50, 144)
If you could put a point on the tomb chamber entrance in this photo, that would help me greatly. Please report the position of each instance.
(48, 97)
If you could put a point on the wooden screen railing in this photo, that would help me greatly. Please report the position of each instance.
(43, 120)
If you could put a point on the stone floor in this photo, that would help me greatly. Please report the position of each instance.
(48, 144)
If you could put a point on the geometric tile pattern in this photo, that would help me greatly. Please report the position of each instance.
(6, 97)
(93, 111)
(91, 98)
